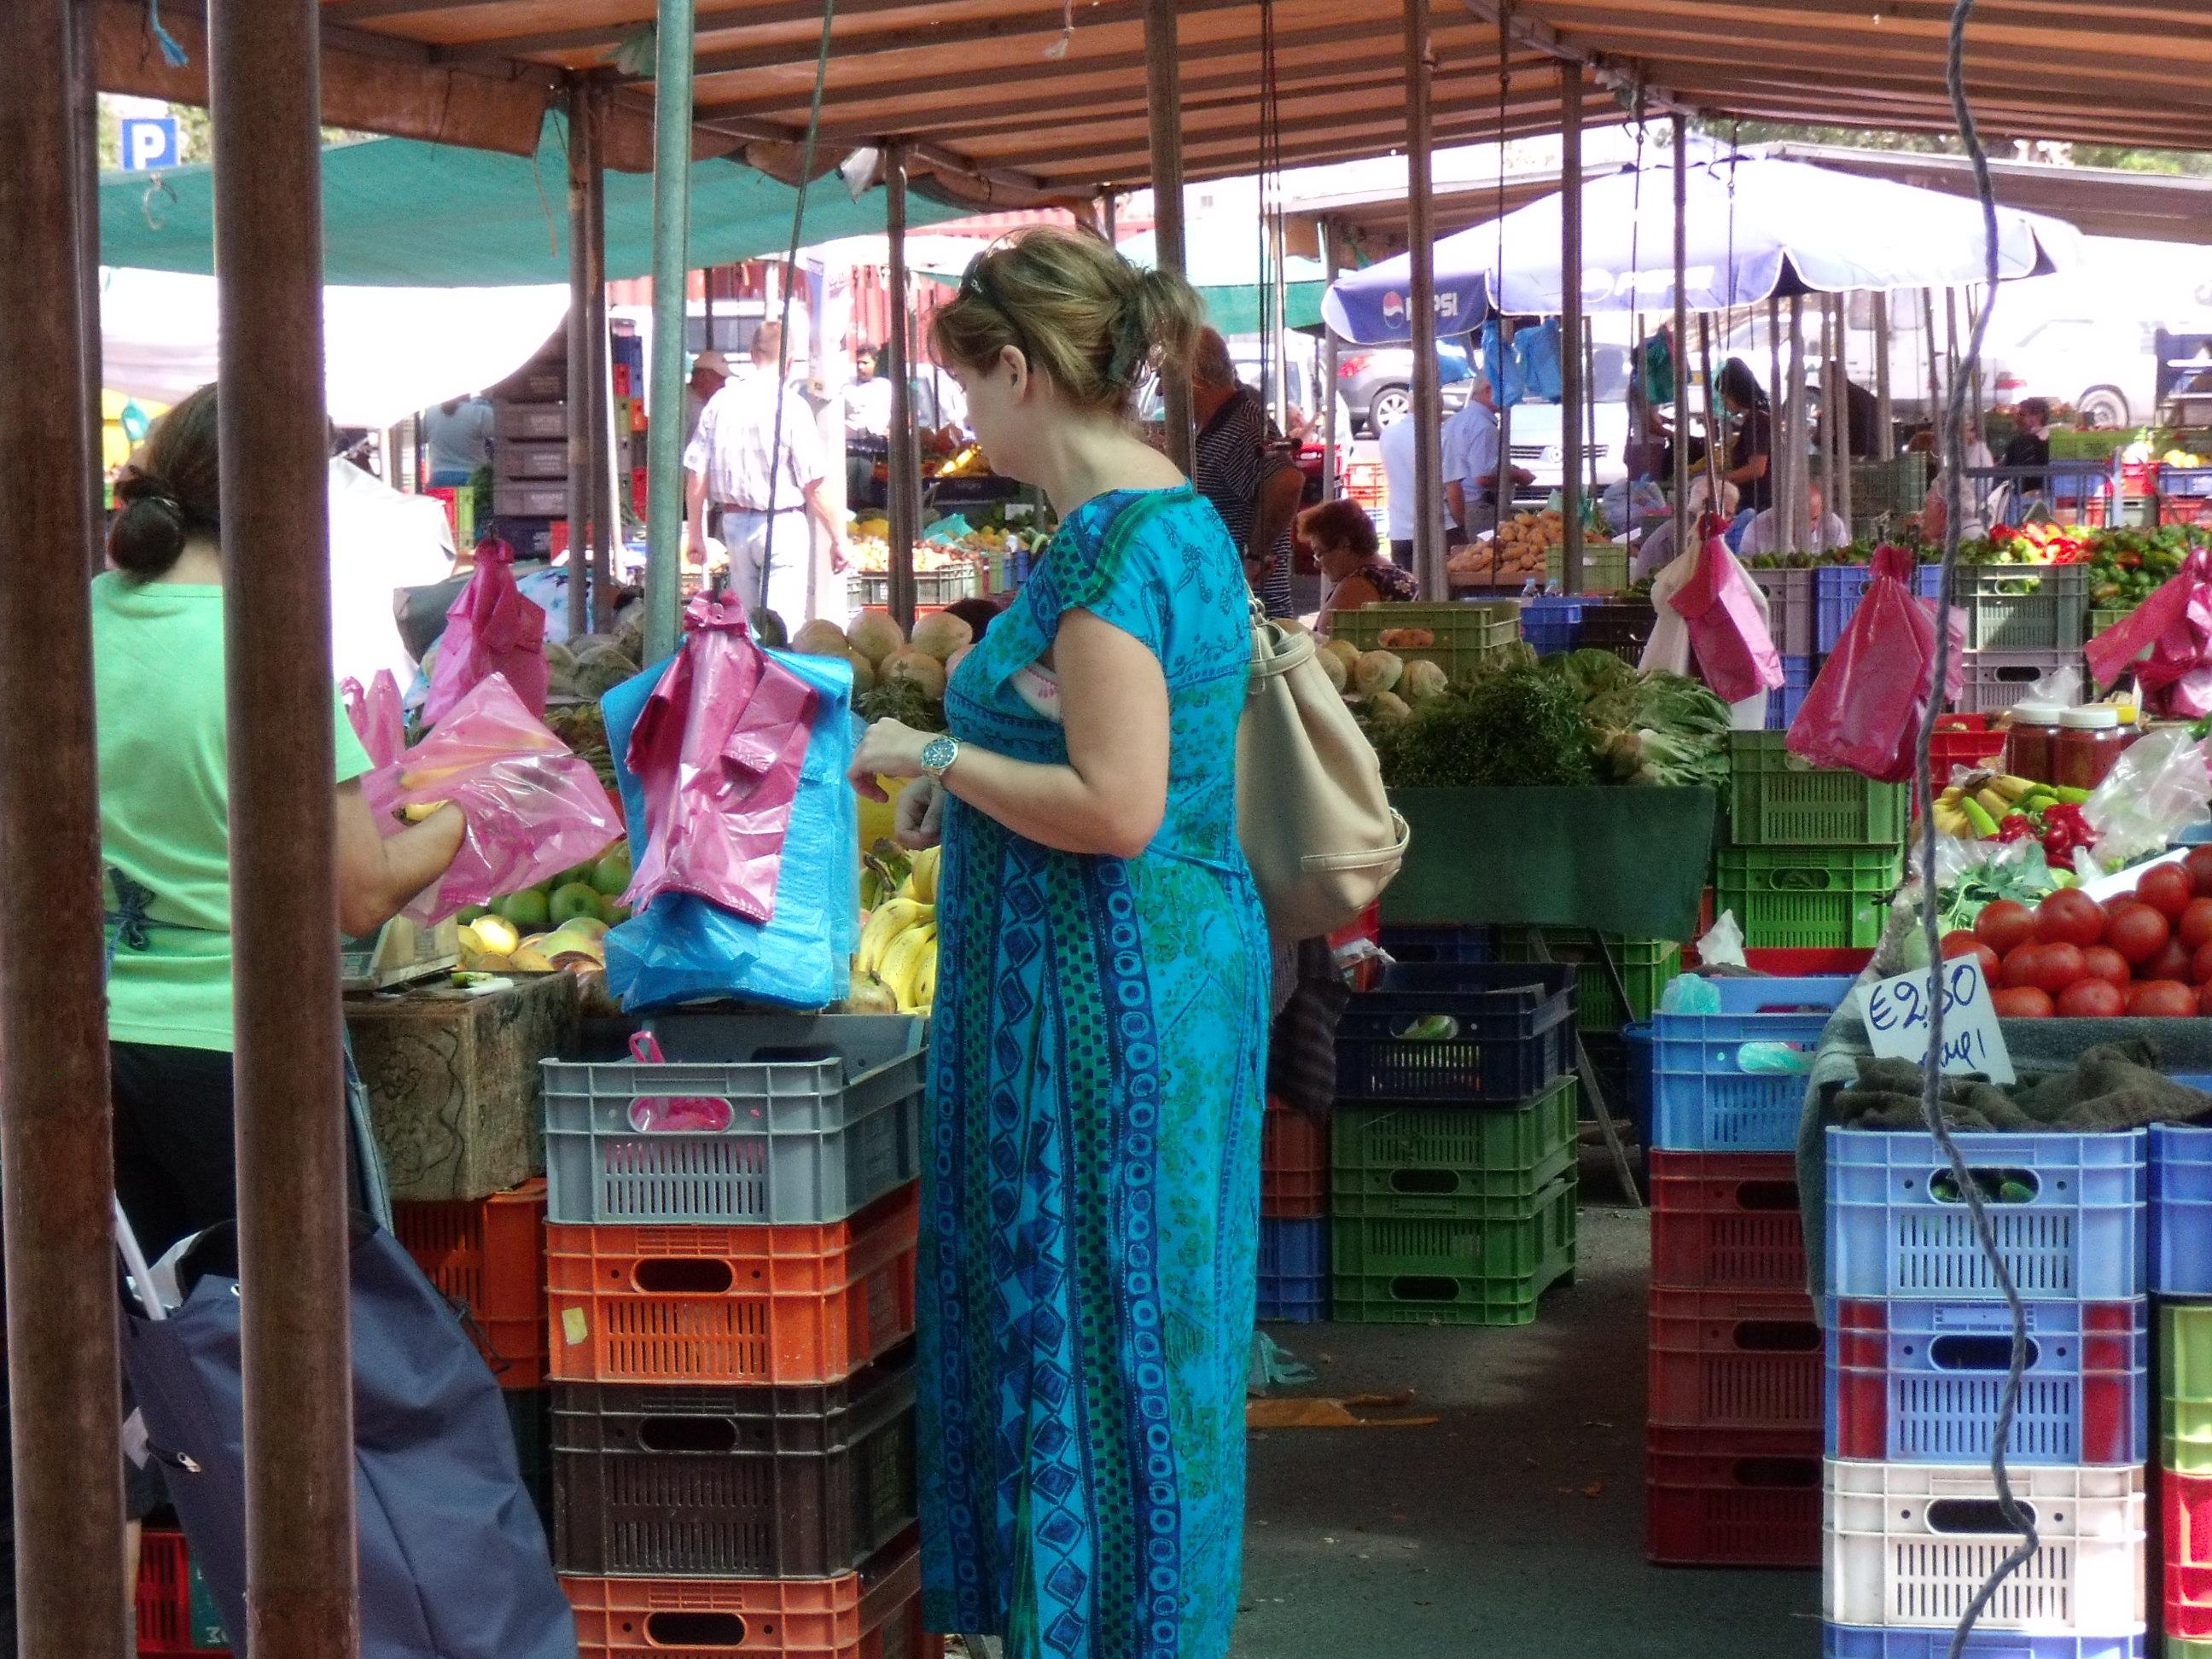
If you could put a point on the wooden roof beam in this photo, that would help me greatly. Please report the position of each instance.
(1614, 74)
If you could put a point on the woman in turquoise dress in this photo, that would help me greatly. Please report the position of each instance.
(1091, 1145)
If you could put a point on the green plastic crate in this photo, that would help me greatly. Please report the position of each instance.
(1813, 898)
(1424, 1271)
(1466, 635)
(1774, 799)
(2024, 607)
(1605, 565)
(2185, 1386)
(1468, 1163)
(1646, 965)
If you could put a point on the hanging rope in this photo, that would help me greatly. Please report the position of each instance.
(170, 50)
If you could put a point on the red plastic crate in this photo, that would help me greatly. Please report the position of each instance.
(2184, 509)
(872, 1614)
(489, 1256)
(1962, 740)
(1293, 1165)
(165, 1596)
(1733, 1498)
(1725, 1221)
(731, 1304)
(2186, 1502)
(1735, 1359)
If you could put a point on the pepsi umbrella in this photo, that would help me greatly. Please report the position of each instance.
(1758, 228)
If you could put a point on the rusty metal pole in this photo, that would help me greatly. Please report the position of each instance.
(1332, 462)
(1571, 390)
(55, 1119)
(606, 494)
(1427, 413)
(1681, 329)
(583, 400)
(1163, 96)
(673, 112)
(84, 124)
(904, 484)
(263, 96)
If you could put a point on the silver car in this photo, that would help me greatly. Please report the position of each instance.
(1376, 382)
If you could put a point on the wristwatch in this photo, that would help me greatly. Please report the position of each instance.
(938, 754)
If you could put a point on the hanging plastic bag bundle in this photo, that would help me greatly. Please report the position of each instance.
(716, 751)
(490, 629)
(1865, 710)
(1727, 621)
(2174, 625)
(682, 948)
(377, 718)
(534, 808)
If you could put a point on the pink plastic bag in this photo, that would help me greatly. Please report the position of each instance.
(667, 1115)
(1865, 709)
(533, 808)
(1734, 652)
(490, 629)
(377, 721)
(718, 750)
(2175, 625)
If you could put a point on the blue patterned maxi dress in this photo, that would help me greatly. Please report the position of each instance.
(1090, 1196)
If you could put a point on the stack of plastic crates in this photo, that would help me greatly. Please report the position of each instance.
(1453, 1179)
(176, 1613)
(1293, 1215)
(730, 1290)
(2022, 621)
(1812, 854)
(2181, 1283)
(1732, 1447)
(1918, 1346)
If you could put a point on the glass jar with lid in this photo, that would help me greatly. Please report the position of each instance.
(2030, 742)
(2090, 738)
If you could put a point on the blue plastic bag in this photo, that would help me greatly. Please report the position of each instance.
(684, 949)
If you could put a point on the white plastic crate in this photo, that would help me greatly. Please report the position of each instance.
(1910, 1543)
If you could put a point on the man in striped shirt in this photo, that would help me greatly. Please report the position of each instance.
(1253, 489)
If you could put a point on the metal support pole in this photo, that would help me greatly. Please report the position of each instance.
(1164, 94)
(84, 132)
(583, 400)
(293, 1194)
(1935, 357)
(1427, 413)
(1331, 464)
(1572, 388)
(905, 488)
(1792, 515)
(606, 512)
(671, 239)
(1590, 408)
(1681, 333)
(1831, 403)
(1774, 407)
(54, 1114)
(1884, 415)
(1109, 206)
(1841, 503)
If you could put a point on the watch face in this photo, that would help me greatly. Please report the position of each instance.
(937, 754)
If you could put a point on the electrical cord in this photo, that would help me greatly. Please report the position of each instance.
(1931, 1104)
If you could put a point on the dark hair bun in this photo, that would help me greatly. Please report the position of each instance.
(148, 536)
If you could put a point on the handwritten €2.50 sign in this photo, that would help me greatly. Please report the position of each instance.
(1898, 1013)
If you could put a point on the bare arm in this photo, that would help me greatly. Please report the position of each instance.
(1753, 470)
(1110, 797)
(694, 509)
(1456, 498)
(817, 505)
(1278, 504)
(378, 874)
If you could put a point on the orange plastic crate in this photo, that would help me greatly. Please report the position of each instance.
(874, 1614)
(731, 1304)
(489, 1254)
(1294, 1164)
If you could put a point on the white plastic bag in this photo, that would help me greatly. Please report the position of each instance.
(2158, 787)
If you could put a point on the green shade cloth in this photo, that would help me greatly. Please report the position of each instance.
(1232, 307)
(399, 213)
(1625, 861)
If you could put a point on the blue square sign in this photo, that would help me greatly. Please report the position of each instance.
(149, 141)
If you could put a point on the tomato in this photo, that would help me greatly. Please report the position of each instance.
(2199, 866)
(2200, 965)
(2022, 1002)
(2091, 998)
(2137, 932)
(2173, 961)
(2205, 1002)
(2161, 998)
(2062, 964)
(2023, 966)
(2005, 927)
(1964, 944)
(2167, 889)
(2196, 927)
(2070, 916)
(2102, 962)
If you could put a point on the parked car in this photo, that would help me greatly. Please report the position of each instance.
(1376, 382)
(2105, 368)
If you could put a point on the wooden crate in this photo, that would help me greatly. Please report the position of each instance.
(453, 1082)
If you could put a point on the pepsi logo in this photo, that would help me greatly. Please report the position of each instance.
(1393, 307)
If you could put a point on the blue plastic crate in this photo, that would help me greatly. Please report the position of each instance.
(1865, 1642)
(1294, 1270)
(1450, 942)
(1782, 702)
(1837, 589)
(2181, 1205)
(1921, 1381)
(1637, 1041)
(1893, 1230)
(1551, 623)
(1703, 1100)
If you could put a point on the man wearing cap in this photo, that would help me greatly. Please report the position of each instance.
(710, 371)
(764, 481)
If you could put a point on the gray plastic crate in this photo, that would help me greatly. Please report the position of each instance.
(2024, 607)
(825, 1119)
(1992, 681)
(1788, 608)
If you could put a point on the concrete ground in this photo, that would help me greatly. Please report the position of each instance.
(1513, 1528)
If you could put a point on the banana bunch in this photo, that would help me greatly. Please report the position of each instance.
(898, 946)
(1972, 810)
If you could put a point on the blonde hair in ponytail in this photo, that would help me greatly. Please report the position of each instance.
(1086, 319)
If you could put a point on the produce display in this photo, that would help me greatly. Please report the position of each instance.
(2147, 953)
(560, 924)
(1519, 551)
(895, 969)
(1985, 805)
(2127, 566)
(872, 551)
(893, 678)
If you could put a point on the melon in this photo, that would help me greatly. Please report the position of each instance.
(820, 638)
(1333, 665)
(875, 636)
(864, 672)
(1423, 680)
(941, 634)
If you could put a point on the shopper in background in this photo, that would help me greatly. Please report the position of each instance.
(1975, 495)
(1253, 487)
(710, 372)
(458, 434)
(1750, 453)
(2030, 447)
(868, 399)
(1090, 1171)
(1397, 444)
(1352, 567)
(731, 462)
(1470, 458)
(1657, 550)
(1764, 533)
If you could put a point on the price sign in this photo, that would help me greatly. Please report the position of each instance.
(1898, 1013)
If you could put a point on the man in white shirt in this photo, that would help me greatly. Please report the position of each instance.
(1470, 446)
(1396, 445)
(459, 435)
(1764, 533)
(868, 399)
(731, 461)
